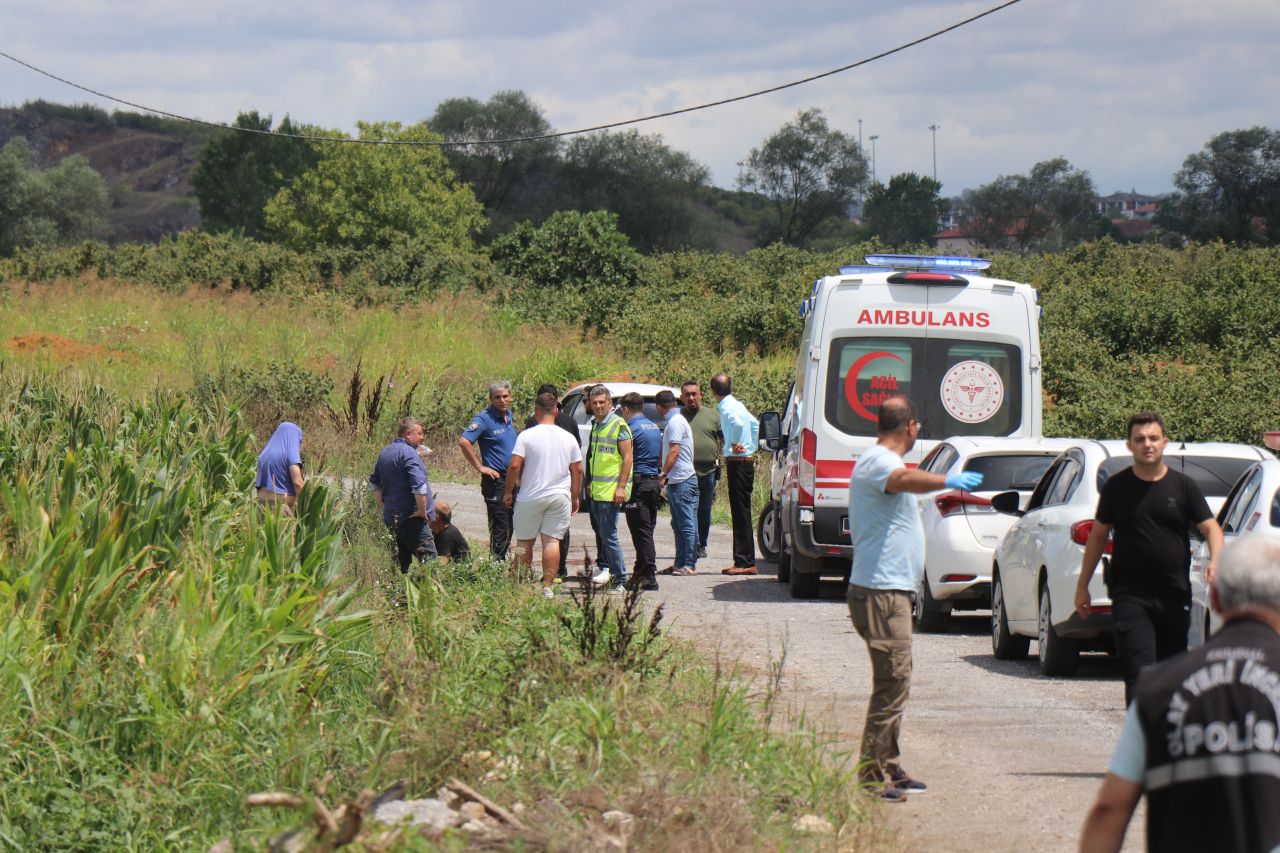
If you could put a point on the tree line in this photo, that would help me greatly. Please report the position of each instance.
(798, 187)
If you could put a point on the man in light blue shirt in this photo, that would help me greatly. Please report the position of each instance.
(888, 557)
(682, 485)
(741, 431)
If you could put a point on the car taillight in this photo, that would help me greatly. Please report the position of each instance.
(955, 502)
(808, 473)
(1080, 534)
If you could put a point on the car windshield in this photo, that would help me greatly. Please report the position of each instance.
(1215, 475)
(1010, 471)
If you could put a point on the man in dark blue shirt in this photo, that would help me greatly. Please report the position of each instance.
(495, 432)
(400, 486)
(642, 509)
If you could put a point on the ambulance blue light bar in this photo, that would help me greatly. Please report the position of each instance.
(855, 270)
(951, 263)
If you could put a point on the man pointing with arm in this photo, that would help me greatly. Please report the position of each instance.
(888, 558)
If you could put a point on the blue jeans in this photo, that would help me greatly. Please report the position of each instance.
(706, 497)
(682, 497)
(604, 515)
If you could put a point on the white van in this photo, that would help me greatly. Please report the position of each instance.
(963, 347)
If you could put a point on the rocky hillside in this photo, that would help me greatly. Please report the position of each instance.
(146, 161)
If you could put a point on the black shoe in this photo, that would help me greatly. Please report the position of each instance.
(649, 585)
(702, 552)
(906, 784)
(889, 794)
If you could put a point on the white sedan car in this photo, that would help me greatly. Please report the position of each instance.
(574, 403)
(1037, 563)
(1253, 506)
(961, 529)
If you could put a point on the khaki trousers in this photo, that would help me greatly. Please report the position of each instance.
(882, 617)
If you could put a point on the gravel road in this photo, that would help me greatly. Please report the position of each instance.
(1012, 758)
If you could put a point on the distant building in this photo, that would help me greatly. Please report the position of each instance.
(1130, 205)
(955, 241)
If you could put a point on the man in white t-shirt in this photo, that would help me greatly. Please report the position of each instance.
(681, 484)
(546, 464)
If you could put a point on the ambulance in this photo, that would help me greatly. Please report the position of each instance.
(964, 348)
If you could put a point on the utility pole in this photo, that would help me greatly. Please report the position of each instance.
(859, 135)
(934, 128)
(873, 139)
(741, 164)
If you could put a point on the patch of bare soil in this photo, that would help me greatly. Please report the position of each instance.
(60, 348)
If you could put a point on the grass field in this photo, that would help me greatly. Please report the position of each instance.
(168, 652)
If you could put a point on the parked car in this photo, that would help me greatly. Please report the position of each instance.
(1253, 506)
(575, 403)
(961, 529)
(1037, 563)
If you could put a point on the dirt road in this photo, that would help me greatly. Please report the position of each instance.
(1012, 758)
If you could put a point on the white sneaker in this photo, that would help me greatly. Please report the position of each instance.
(548, 592)
(601, 578)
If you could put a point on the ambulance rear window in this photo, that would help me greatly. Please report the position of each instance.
(959, 387)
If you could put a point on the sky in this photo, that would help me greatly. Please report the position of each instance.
(1125, 90)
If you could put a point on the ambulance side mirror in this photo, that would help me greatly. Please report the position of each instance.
(771, 437)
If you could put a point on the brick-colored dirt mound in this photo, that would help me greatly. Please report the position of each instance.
(58, 347)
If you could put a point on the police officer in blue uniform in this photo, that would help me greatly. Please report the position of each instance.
(642, 510)
(495, 433)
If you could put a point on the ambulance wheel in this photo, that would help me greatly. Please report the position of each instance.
(769, 532)
(805, 578)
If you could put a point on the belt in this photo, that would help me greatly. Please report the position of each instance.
(647, 477)
(740, 459)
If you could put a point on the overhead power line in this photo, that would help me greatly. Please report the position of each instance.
(539, 137)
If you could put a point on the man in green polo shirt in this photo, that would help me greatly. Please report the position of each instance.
(707, 438)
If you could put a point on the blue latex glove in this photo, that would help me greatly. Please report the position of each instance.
(966, 481)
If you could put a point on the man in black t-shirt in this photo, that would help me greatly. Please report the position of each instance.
(1200, 739)
(450, 543)
(569, 425)
(1150, 509)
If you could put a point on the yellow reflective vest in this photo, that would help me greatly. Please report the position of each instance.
(604, 462)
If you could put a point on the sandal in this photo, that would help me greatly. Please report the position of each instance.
(685, 571)
(669, 570)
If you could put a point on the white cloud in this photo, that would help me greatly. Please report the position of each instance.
(1125, 90)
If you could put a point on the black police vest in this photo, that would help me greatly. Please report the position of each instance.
(1213, 743)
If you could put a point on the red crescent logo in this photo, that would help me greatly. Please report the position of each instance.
(851, 382)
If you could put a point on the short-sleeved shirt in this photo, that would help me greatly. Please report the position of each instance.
(400, 475)
(888, 539)
(495, 435)
(547, 453)
(646, 445)
(677, 432)
(707, 437)
(1151, 551)
(451, 543)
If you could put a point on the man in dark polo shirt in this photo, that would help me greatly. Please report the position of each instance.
(495, 433)
(642, 509)
(705, 423)
(450, 543)
(1202, 737)
(1150, 508)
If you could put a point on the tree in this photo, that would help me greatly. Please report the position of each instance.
(810, 172)
(238, 172)
(905, 211)
(650, 186)
(1228, 191)
(63, 204)
(1050, 207)
(372, 196)
(499, 175)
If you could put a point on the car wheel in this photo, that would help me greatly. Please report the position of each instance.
(805, 577)
(1004, 645)
(1058, 656)
(931, 617)
(769, 532)
(784, 565)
